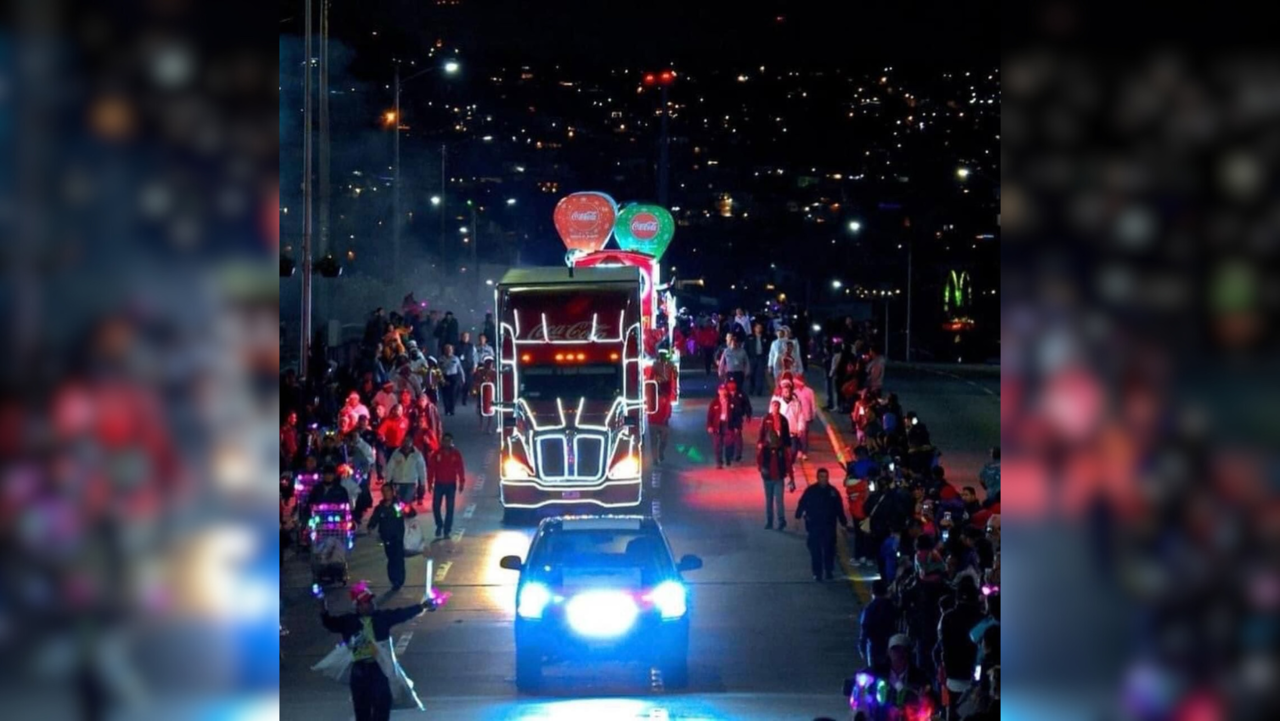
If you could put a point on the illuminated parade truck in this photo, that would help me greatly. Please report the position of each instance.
(570, 389)
(578, 360)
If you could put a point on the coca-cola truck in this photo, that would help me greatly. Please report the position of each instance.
(570, 390)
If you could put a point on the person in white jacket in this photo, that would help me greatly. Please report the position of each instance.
(406, 470)
(777, 351)
(808, 401)
(797, 422)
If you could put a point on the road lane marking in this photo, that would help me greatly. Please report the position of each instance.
(655, 679)
(982, 388)
(403, 642)
(442, 571)
(656, 510)
(469, 511)
(655, 479)
(457, 535)
(479, 484)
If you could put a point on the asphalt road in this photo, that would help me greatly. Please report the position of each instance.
(767, 641)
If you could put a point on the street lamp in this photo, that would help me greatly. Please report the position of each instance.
(836, 284)
(962, 173)
(855, 226)
(435, 200)
(511, 201)
(394, 116)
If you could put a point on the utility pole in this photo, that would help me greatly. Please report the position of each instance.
(306, 202)
(910, 277)
(323, 171)
(663, 152)
(444, 188)
(662, 80)
(395, 190)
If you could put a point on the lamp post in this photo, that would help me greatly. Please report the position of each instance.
(450, 68)
(663, 80)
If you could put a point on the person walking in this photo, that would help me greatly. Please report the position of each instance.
(446, 331)
(363, 632)
(467, 354)
(877, 624)
(773, 458)
(451, 369)
(875, 370)
(742, 412)
(808, 407)
(388, 519)
(733, 361)
(447, 479)
(720, 414)
(660, 426)
(778, 354)
(485, 375)
(821, 507)
(708, 338)
(791, 408)
(757, 355)
(406, 470)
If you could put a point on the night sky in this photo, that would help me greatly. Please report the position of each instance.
(789, 121)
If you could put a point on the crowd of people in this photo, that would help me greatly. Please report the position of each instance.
(931, 630)
(377, 423)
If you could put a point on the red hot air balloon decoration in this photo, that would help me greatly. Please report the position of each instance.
(585, 220)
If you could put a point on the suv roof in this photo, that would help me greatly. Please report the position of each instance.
(600, 523)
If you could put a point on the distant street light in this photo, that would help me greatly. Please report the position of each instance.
(855, 226)
(463, 230)
(489, 282)
(435, 200)
(962, 173)
(836, 284)
(451, 67)
(511, 201)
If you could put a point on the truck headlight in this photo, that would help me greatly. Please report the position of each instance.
(513, 469)
(533, 599)
(670, 599)
(628, 467)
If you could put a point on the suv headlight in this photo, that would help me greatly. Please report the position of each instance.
(628, 467)
(670, 599)
(533, 599)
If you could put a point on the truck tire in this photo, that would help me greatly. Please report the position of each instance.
(528, 669)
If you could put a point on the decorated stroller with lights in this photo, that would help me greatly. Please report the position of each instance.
(331, 531)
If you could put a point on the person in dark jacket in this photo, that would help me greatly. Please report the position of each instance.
(388, 519)
(821, 506)
(720, 415)
(490, 330)
(878, 623)
(956, 653)
(446, 331)
(328, 491)
(742, 413)
(757, 347)
(361, 631)
(774, 459)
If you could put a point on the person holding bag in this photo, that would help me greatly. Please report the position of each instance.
(389, 520)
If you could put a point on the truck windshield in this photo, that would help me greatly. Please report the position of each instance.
(593, 381)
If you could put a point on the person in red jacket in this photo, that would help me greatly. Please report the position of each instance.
(720, 416)
(394, 429)
(775, 461)
(446, 477)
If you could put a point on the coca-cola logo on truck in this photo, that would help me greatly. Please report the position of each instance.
(644, 226)
(580, 331)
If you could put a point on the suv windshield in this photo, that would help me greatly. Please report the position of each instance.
(638, 556)
(593, 381)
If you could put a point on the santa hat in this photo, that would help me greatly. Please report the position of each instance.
(360, 592)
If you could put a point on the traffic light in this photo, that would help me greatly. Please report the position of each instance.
(287, 266)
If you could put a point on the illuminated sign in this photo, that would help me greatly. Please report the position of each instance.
(644, 229)
(585, 220)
